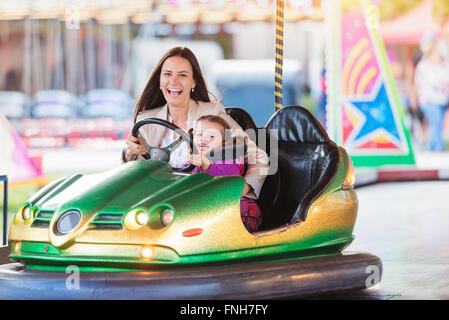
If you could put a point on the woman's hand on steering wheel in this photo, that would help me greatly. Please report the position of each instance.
(161, 153)
(134, 147)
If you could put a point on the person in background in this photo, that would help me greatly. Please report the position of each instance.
(418, 126)
(432, 88)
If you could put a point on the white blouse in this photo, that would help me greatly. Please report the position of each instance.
(180, 156)
(433, 83)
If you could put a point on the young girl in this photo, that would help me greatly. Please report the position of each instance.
(209, 135)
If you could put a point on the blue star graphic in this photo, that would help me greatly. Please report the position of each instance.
(378, 114)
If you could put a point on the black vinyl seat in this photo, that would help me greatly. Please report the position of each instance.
(246, 122)
(242, 117)
(307, 162)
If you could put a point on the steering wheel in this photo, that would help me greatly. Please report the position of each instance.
(163, 154)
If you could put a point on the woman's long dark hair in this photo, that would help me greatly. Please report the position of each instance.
(152, 96)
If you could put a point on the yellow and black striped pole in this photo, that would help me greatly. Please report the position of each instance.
(279, 54)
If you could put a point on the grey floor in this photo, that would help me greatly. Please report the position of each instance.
(406, 224)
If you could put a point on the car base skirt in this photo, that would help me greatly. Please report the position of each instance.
(257, 280)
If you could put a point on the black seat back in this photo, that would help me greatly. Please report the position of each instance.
(307, 162)
(242, 117)
(272, 182)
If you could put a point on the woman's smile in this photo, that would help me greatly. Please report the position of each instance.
(174, 92)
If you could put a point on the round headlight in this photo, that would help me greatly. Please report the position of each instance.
(26, 213)
(167, 216)
(142, 218)
(68, 221)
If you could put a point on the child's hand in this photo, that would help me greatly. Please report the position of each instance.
(200, 160)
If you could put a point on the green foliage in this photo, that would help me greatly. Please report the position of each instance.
(309, 102)
(16, 197)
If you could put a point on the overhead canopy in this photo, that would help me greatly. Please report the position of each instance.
(409, 28)
(168, 11)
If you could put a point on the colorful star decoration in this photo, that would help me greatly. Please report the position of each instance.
(364, 113)
(372, 123)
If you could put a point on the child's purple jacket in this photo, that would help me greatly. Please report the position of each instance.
(221, 168)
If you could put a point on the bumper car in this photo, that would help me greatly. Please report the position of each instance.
(15, 106)
(108, 103)
(55, 104)
(159, 233)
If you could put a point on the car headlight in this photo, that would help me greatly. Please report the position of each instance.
(167, 216)
(142, 218)
(136, 219)
(26, 212)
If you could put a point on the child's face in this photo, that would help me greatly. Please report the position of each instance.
(208, 136)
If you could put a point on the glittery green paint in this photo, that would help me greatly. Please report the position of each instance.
(197, 200)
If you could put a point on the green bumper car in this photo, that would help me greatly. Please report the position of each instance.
(165, 234)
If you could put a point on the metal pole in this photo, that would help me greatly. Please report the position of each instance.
(279, 54)
(4, 179)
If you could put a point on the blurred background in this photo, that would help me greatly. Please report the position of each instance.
(71, 71)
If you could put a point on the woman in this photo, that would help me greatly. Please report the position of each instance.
(177, 92)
